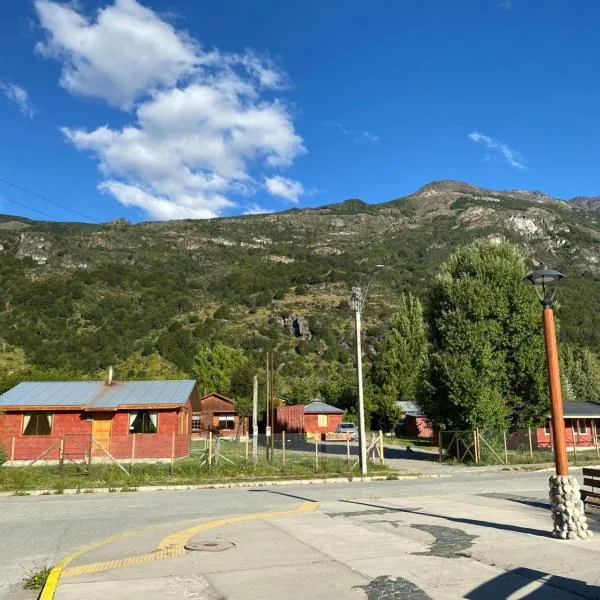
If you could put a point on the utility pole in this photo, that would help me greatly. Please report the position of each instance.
(356, 304)
(268, 392)
(255, 419)
(272, 405)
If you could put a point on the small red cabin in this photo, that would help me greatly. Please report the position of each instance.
(315, 418)
(216, 413)
(416, 423)
(133, 420)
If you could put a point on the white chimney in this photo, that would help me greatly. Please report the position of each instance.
(109, 376)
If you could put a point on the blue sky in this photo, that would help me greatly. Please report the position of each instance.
(169, 109)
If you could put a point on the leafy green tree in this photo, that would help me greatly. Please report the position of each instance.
(150, 366)
(580, 371)
(401, 355)
(487, 364)
(214, 366)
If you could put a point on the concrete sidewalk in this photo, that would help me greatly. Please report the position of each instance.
(459, 546)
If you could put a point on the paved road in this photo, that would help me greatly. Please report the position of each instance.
(41, 530)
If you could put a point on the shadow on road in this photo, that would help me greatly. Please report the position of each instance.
(507, 584)
(465, 520)
(284, 494)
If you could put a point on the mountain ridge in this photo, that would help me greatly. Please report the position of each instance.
(81, 296)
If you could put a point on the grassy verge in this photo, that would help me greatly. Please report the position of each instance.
(232, 467)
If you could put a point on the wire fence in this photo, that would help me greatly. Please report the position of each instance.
(523, 446)
(125, 462)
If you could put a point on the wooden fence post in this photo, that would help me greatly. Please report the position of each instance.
(247, 445)
(12, 449)
(530, 444)
(283, 447)
(573, 440)
(348, 448)
(209, 449)
(172, 453)
(475, 431)
(441, 449)
(134, 436)
(316, 452)
(595, 432)
(381, 447)
(61, 456)
(457, 447)
(505, 449)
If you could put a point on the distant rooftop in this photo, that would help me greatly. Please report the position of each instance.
(410, 408)
(90, 395)
(578, 408)
(320, 407)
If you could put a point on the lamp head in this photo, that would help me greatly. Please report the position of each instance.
(356, 299)
(546, 282)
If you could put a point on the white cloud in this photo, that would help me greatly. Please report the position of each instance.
(285, 188)
(367, 136)
(126, 52)
(507, 5)
(498, 149)
(357, 136)
(19, 96)
(255, 209)
(200, 122)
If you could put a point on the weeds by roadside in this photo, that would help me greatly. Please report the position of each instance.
(36, 578)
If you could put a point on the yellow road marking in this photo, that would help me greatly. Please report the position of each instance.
(173, 545)
(51, 584)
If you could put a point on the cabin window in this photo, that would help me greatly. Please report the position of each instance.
(143, 421)
(227, 422)
(322, 420)
(37, 423)
(582, 426)
(547, 427)
(196, 423)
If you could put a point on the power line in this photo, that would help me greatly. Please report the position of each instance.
(39, 212)
(46, 199)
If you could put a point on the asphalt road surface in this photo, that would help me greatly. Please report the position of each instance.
(40, 530)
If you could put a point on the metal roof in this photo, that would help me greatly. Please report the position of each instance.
(318, 406)
(96, 394)
(581, 409)
(51, 393)
(410, 408)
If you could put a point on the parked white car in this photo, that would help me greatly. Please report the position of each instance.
(348, 428)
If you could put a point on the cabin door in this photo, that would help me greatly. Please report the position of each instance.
(101, 428)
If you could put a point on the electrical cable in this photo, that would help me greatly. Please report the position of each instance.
(46, 199)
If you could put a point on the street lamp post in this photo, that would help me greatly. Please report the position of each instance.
(357, 303)
(565, 499)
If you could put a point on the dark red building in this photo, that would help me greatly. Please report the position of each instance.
(216, 413)
(416, 424)
(581, 422)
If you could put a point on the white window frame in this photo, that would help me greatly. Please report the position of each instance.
(152, 415)
(322, 421)
(227, 419)
(582, 430)
(547, 427)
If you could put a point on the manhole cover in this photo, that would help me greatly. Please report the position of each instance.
(209, 546)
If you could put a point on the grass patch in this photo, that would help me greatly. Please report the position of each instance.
(36, 578)
(232, 466)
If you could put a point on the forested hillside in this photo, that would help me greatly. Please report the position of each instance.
(75, 297)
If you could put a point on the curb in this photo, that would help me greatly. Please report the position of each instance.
(211, 486)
